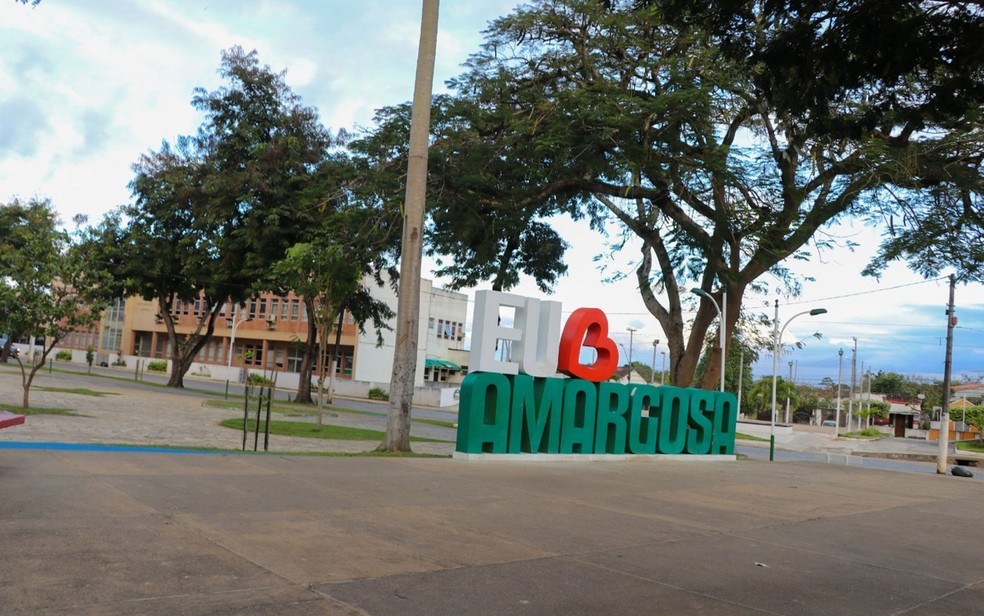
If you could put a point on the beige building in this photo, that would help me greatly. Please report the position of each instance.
(269, 332)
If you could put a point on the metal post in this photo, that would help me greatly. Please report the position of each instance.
(777, 340)
(662, 367)
(232, 342)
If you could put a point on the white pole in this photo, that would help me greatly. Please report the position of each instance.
(741, 374)
(840, 373)
(775, 359)
(723, 332)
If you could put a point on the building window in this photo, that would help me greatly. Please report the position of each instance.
(295, 355)
(295, 309)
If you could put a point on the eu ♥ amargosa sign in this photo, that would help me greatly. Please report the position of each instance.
(521, 405)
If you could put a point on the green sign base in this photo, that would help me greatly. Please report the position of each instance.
(500, 414)
(589, 457)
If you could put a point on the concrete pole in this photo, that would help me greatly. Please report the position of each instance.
(840, 373)
(951, 320)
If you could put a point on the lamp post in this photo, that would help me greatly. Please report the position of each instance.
(631, 331)
(775, 363)
(232, 342)
(840, 370)
(655, 344)
(662, 367)
(850, 398)
(721, 310)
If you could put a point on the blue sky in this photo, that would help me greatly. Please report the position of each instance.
(86, 87)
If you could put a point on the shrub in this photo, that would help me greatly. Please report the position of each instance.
(258, 379)
(63, 356)
(378, 393)
(158, 365)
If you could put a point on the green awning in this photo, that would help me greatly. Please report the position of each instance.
(441, 363)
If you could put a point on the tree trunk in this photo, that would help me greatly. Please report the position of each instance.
(408, 307)
(183, 355)
(307, 360)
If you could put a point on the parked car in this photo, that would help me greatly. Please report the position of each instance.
(3, 342)
(828, 423)
(881, 421)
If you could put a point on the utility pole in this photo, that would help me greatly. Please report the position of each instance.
(951, 321)
(787, 389)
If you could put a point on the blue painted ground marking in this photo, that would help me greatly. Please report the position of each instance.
(49, 446)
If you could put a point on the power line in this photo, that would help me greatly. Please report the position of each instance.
(860, 293)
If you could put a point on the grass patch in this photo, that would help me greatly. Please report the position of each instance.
(37, 410)
(868, 434)
(749, 437)
(975, 446)
(82, 391)
(296, 408)
(307, 429)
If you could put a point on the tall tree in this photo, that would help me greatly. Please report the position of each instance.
(46, 288)
(717, 179)
(351, 244)
(481, 226)
(212, 213)
(915, 66)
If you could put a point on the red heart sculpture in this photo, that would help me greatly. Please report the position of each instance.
(591, 326)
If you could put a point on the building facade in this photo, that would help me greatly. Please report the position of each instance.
(268, 333)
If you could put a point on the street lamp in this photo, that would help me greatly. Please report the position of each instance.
(775, 362)
(662, 367)
(631, 331)
(722, 312)
(232, 342)
(653, 378)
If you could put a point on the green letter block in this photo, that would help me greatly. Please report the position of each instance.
(642, 430)
(699, 421)
(537, 406)
(580, 408)
(483, 413)
(725, 423)
(611, 429)
(673, 410)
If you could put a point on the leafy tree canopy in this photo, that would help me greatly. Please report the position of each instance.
(663, 127)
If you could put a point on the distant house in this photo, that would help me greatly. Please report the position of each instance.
(622, 374)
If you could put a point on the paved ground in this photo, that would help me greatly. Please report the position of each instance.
(164, 534)
(161, 534)
(140, 414)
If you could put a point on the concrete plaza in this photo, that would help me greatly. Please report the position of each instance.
(151, 533)
(108, 532)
